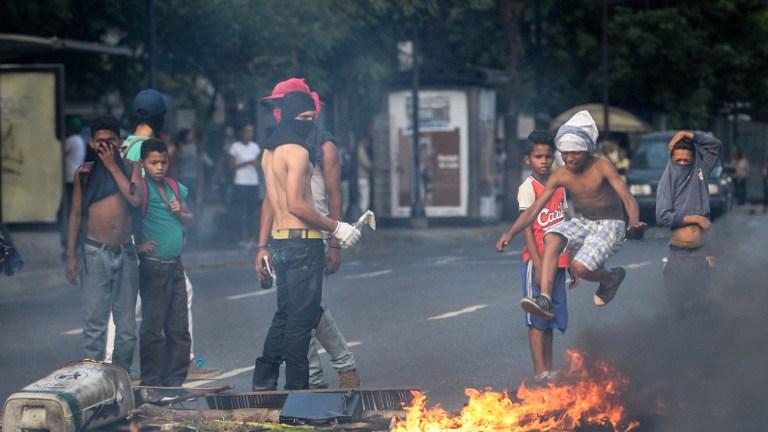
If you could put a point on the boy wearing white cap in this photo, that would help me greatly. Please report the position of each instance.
(598, 192)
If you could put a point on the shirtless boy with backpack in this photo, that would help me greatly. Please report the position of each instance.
(598, 192)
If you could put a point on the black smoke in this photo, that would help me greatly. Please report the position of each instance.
(708, 371)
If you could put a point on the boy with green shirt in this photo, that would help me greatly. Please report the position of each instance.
(164, 341)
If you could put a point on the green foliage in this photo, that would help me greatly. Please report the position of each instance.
(686, 58)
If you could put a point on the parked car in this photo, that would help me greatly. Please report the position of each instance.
(648, 163)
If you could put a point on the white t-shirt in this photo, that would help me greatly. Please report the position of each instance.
(245, 175)
(74, 150)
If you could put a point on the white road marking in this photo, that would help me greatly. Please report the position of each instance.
(458, 312)
(349, 344)
(637, 265)
(225, 375)
(250, 294)
(369, 274)
(73, 332)
(511, 253)
(445, 260)
(242, 370)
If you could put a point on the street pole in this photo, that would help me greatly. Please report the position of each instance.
(606, 101)
(151, 43)
(537, 40)
(418, 216)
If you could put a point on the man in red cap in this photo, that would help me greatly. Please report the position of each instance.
(326, 193)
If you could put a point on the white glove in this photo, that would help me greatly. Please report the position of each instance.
(346, 234)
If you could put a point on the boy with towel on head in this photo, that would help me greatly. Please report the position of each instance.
(598, 192)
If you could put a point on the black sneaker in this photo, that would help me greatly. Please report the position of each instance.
(538, 305)
(606, 293)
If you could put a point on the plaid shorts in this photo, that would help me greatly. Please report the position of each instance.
(591, 242)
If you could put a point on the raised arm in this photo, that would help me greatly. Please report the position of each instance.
(708, 150)
(295, 160)
(630, 204)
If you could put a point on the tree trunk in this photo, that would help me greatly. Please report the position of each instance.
(509, 11)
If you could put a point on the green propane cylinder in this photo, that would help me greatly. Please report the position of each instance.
(80, 396)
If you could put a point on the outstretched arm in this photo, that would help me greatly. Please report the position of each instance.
(527, 217)
(630, 204)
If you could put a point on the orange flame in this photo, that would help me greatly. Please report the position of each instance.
(582, 397)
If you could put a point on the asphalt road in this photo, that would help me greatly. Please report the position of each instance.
(439, 312)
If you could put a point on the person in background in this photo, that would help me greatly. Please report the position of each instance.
(188, 160)
(613, 153)
(246, 198)
(741, 164)
(74, 155)
(364, 166)
(173, 171)
(765, 187)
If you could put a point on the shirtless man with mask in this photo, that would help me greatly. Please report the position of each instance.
(682, 203)
(100, 254)
(296, 246)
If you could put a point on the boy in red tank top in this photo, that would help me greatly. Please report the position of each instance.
(539, 156)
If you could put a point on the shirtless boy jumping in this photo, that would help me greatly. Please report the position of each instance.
(598, 192)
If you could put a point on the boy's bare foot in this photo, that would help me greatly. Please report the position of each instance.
(606, 293)
(538, 305)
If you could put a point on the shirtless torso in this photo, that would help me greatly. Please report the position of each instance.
(591, 190)
(686, 236)
(287, 175)
(110, 220)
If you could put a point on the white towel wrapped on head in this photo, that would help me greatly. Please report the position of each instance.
(579, 133)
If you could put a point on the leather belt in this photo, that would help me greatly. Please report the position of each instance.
(116, 249)
(170, 260)
(296, 234)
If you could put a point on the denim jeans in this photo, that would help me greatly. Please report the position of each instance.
(328, 335)
(109, 283)
(298, 268)
(165, 341)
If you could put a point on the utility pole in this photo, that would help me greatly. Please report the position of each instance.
(538, 66)
(418, 215)
(606, 101)
(151, 43)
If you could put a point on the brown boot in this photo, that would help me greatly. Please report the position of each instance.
(349, 379)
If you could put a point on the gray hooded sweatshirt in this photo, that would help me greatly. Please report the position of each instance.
(683, 189)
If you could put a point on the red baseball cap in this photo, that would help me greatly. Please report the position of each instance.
(288, 86)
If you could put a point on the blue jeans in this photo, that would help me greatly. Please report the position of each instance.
(109, 282)
(328, 335)
(299, 282)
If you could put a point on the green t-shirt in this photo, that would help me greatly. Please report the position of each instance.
(133, 145)
(160, 224)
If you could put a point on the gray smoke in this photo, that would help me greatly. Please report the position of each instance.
(710, 370)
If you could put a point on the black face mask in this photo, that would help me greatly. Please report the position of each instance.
(290, 130)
